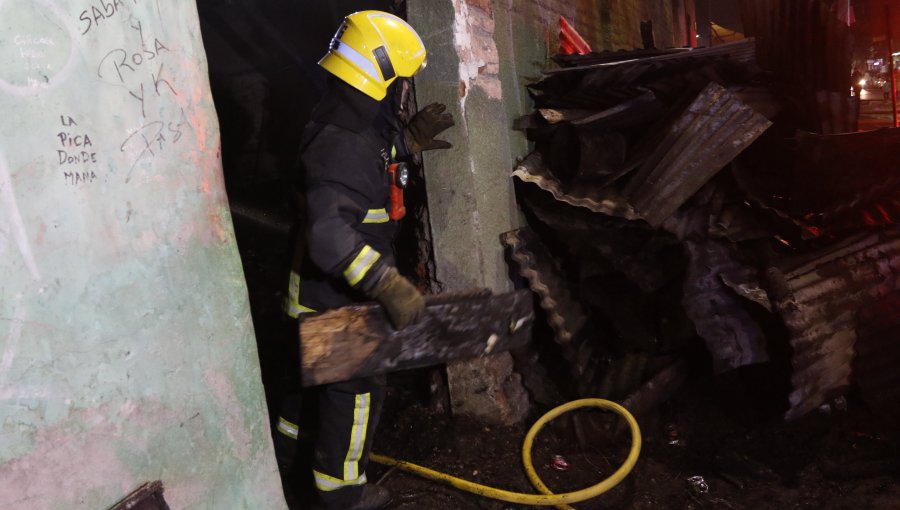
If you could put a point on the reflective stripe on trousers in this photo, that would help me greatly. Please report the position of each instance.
(287, 428)
(348, 415)
(355, 444)
(327, 483)
(357, 436)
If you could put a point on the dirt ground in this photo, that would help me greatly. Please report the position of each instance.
(841, 457)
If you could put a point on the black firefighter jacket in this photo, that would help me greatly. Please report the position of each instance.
(348, 234)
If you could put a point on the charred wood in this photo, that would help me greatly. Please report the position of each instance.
(358, 341)
(657, 390)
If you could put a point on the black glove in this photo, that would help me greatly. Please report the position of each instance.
(400, 298)
(425, 125)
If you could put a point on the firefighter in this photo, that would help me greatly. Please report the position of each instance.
(347, 253)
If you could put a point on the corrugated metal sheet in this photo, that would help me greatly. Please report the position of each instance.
(732, 335)
(714, 129)
(596, 199)
(606, 85)
(565, 315)
(803, 42)
(643, 255)
(741, 51)
(825, 299)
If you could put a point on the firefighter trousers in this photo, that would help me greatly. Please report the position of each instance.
(348, 414)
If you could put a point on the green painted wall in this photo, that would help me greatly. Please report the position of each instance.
(127, 352)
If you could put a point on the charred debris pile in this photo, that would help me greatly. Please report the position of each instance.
(722, 194)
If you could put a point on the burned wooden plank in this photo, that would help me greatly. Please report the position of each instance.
(358, 341)
(658, 389)
(714, 129)
(822, 298)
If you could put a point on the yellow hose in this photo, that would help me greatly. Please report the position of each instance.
(547, 498)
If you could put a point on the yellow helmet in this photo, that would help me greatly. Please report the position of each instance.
(373, 48)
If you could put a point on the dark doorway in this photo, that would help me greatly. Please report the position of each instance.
(265, 80)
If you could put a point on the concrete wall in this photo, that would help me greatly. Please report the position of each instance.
(126, 348)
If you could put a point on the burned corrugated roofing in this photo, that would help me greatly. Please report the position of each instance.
(643, 191)
(712, 131)
(828, 293)
(564, 313)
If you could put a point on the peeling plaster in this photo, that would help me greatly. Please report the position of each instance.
(479, 61)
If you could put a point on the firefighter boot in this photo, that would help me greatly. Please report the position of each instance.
(372, 497)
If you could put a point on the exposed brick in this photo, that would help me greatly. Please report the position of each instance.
(484, 5)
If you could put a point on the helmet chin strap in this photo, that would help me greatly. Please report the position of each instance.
(394, 102)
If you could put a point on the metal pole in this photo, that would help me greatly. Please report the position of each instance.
(887, 19)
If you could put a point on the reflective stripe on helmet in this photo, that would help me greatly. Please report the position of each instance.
(366, 65)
